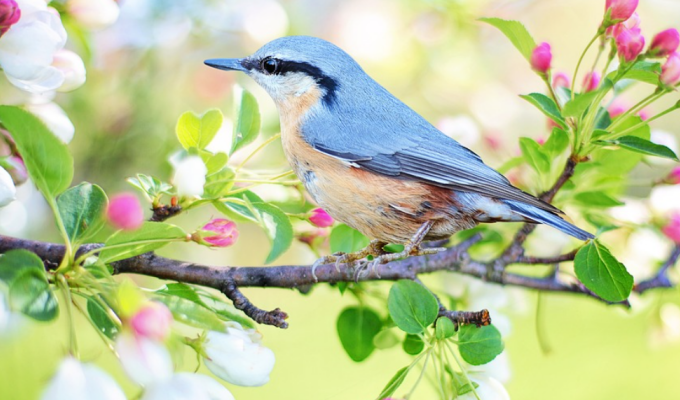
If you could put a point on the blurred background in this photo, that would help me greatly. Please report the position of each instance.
(463, 76)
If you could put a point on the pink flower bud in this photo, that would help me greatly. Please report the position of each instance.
(672, 229)
(673, 177)
(541, 58)
(152, 321)
(226, 232)
(621, 10)
(561, 79)
(9, 14)
(591, 81)
(670, 71)
(17, 169)
(617, 107)
(665, 43)
(320, 218)
(125, 211)
(631, 23)
(630, 43)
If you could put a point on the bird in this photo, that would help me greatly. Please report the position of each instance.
(372, 162)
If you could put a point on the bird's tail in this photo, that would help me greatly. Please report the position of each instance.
(535, 214)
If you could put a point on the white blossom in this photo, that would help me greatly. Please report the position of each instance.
(72, 67)
(55, 118)
(77, 381)
(93, 14)
(27, 49)
(189, 176)
(184, 385)
(7, 189)
(238, 356)
(144, 360)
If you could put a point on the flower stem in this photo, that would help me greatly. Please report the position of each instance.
(578, 64)
(643, 123)
(260, 147)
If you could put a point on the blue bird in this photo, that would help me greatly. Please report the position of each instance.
(371, 161)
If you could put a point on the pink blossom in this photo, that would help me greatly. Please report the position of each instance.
(670, 71)
(631, 23)
(9, 14)
(630, 43)
(673, 177)
(125, 211)
(591, 81)
(17, 169)
(561, 79)
(644, 113)
(225, 231)
(319, 217)
(672, 229)
(153, 321)
(541, 58)
(665, 43)
(621, 10)
(617, 107)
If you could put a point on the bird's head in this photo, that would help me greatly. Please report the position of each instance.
(294, 69)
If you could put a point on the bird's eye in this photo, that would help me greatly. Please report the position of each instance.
(271, 66)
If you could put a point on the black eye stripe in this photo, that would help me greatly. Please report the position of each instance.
(284, 67)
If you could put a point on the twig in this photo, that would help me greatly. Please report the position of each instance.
(163, 212)
(660, 280)
(275, 317)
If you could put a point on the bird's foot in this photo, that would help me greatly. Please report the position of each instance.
(374, 248)
(411, 248)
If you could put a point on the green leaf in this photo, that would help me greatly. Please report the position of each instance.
(47, 159)
(616, 162)
(181, 290)
(556, 143)
(547, 106)
(198, 131)
(412, 307)
(394, 383)
(100, 318)
(15, 262)
(238, 210)
(153, 187)
(576, 107)
(346, 239)
(151, 236)
(385, 339)
(478, 346)
(277, 226)
(413, 344)
(510, 164)
(31, 294)
(444, 328)
(217, 185)
(82, 209)
(597, 199)
(214, 162)
(247, 125)
(192, 314)
(534, 155)
(602, 273)
(516, 32)
(643, 71)
(641, 146)
(357, 327)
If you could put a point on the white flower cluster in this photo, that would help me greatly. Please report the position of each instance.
(33, 58)
(235, 355)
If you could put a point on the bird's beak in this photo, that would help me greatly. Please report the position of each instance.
(227, 64)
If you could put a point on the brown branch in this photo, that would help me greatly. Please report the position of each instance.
(516, 249)
(460, 318)
(229, 279)
(163, 212)
(660, 280)
(546, 260)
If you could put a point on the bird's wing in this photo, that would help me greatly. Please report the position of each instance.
(414, 150)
